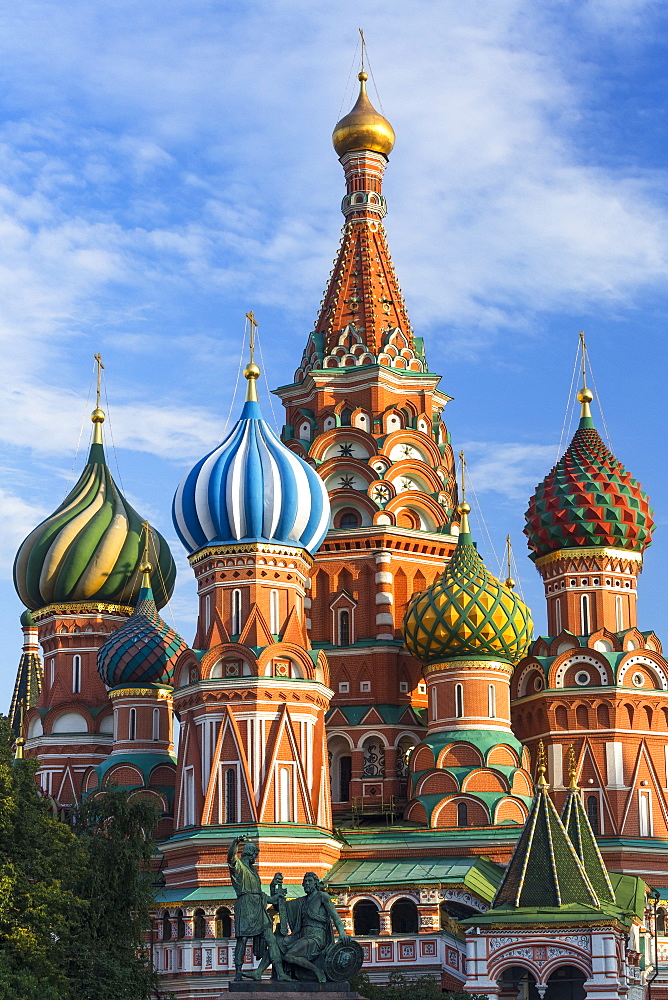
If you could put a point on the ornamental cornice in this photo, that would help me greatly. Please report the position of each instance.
(81, 608)
(266, 548)
(501, 666)
(568, 555)
(132, 692)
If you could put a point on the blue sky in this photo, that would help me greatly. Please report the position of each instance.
(165, 166)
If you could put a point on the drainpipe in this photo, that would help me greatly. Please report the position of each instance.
(654, 896)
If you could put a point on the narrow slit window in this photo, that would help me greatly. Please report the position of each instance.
(76, 675)
(236, 612)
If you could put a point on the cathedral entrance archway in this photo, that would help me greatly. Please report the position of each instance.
(566, 983)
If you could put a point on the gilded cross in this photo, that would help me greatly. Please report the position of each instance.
(100, 366)
(250, 316)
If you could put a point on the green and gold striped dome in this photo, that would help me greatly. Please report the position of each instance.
(467, 612)
(90, 548)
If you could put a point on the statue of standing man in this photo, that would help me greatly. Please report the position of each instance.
(251, 919)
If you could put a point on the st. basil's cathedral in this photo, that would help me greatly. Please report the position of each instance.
(362, 696)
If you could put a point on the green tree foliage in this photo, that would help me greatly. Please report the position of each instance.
(111, 961)
(74, 902)
(400, 987)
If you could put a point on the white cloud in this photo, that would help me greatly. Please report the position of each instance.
(511, 469)
(18, 518)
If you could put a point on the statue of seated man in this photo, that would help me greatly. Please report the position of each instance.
(310, 918)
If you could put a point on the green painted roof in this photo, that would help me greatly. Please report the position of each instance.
(391, 714)
(630, 893)
(483, 739)
(478, 874)
(582, 838)
(545, 870)
(145, 762)
(533, 916)
(225, 893)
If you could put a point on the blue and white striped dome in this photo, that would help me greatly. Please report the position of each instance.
(251, 488)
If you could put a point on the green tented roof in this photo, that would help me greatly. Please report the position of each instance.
(480, 875)
(582, 838)
(545, 870)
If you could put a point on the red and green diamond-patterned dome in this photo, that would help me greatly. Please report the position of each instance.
(588, 500)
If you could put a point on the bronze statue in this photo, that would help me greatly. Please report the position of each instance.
(251, 919)
(312, 945)
(303, 936)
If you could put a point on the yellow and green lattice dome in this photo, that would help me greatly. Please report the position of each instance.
(467, 612)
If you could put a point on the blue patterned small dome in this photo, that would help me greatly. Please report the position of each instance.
(251, 488)
(142, 651)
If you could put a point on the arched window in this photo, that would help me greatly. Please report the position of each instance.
(459, 701)
(52, 670)
(603, 716)
(274, 625)
(180, 924)
(236, 612)
(491, 701)
(344, 627)
(433, 700)
(230, 795)
(592, 812)
(132, 724)
(644, 816)
(166, 926)
(76, 674)
(661, 922)
(582, 717)
(199, 924)
(619, 612)
(156, 723)
(584, 614)
(223, 922)
(349, 520)
(557, 615)
(346, 417)
(462, 814)
(284, 796)
(207, 613)
(404, 917)
(366, 918)
(561, 717)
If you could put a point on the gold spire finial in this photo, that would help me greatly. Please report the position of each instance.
(251, 371)
(510, 583)
(585, 395)
(97, 416)
(146, 568)
(464, 508)
(541, 768)
(572, 769)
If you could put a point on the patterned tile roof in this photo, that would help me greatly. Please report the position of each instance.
(142, 651)
(467, 612)
(588, 500)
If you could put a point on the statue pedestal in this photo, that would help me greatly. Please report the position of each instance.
(291, 991)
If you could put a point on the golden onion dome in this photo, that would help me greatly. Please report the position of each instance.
(467, 612)
(363, 127)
